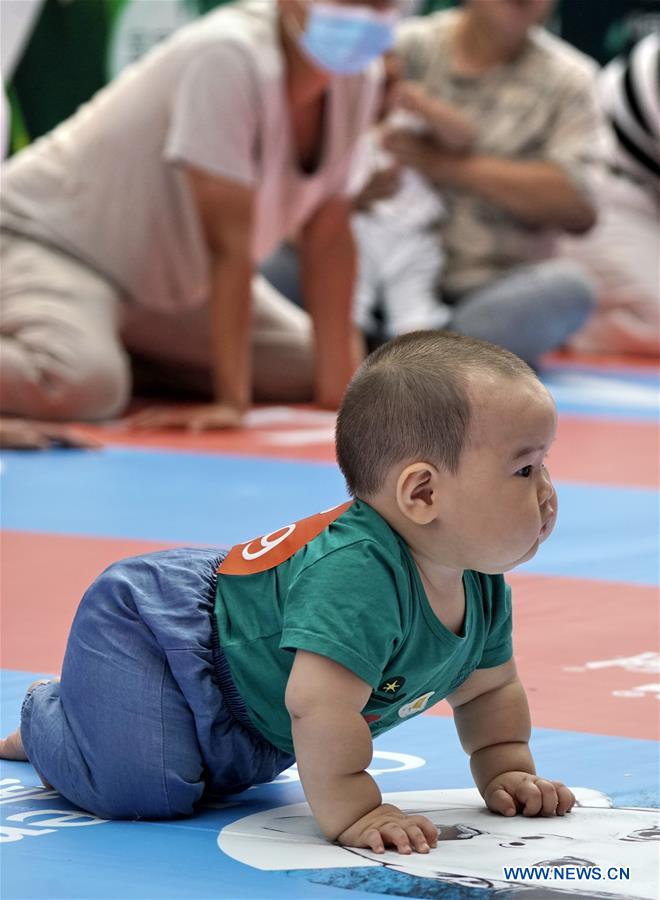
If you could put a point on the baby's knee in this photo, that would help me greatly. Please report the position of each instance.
(103, 766)
(115, 803)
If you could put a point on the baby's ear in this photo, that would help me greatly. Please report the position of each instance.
(417, 492)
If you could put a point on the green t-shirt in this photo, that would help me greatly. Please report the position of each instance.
(351, 593)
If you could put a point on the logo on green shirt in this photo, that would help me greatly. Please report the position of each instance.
(389, 691)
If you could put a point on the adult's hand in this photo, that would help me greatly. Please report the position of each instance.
(423, 154)
(537, 192)
(24, 434)
(200, 417)
(446, 125)
(412, 96)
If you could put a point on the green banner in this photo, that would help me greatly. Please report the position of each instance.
(600, 28)
(78, 46)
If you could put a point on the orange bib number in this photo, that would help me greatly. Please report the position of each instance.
(263, 553)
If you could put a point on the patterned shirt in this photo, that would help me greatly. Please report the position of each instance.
(540, 106)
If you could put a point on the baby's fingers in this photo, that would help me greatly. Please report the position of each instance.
(566, 798)
(428, 828)
(373, 840)
(549, 798)
(396, 836)
(500, 801)
(417, 838)
(530, 798)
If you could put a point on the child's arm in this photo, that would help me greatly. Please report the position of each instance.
(333, 749)
(493, 724)
(451, 129)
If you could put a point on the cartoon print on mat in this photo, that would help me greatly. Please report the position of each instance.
(474, 846)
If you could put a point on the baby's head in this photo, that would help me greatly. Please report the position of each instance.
(446, 436)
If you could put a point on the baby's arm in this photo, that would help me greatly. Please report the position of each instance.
(333, 749)
(492, 720)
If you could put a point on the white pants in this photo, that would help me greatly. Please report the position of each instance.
(65, 332)
(402, 271)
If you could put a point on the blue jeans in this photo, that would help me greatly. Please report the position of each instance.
(146, 716)
(531, 310)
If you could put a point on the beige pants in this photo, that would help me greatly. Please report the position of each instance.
(65, 333)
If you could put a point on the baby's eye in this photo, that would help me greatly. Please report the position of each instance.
(525, 472)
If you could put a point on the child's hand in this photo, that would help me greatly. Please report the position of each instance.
(382, 185)
(513, 792)
(388, 826)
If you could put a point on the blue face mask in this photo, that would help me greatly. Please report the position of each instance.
(345, 39)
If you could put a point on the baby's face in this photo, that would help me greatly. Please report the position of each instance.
(501, 503)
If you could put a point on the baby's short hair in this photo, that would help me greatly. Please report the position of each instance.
(409, 400)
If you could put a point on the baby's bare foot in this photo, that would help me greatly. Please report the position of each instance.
(39, 681)
(11, 747)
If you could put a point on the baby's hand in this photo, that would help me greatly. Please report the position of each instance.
(388, 826)
(513, 792)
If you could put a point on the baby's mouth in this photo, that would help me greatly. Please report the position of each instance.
(547, 524)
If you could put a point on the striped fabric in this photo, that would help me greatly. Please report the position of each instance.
(630, 95)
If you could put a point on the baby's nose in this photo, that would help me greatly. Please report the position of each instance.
(546, 489)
